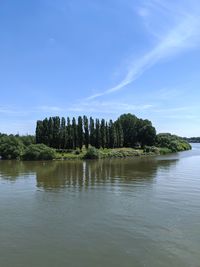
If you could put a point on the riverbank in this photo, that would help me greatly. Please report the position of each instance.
(93, 153)
(24, 148)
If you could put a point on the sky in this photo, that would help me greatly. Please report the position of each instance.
(100, 58)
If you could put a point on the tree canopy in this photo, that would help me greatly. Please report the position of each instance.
(126, 131)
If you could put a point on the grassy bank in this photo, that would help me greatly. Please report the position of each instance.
(93, 153)
(14, 147)
(111, 153)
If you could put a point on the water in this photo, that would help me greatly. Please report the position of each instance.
(129, 212)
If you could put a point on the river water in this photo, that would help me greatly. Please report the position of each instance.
(121, 212)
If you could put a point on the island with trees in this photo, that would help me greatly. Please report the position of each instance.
(88, 138)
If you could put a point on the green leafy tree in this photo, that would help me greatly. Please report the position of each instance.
(39, 152)
(107, 136)
(128, 123)
(39, 132)
(74, 133)
(120, 134)
(56, 132)
(80, 132)
(147, 135)
(63, 134)
(97, 134)
(103, 133)
(11, 147)
(50, 131)
(112, 134)
(172, 142)
(92, 132)
(86, 132)
(27, 139)
(69, 134)
(45, 132)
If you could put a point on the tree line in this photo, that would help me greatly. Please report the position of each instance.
(192, 139)
(126, 131)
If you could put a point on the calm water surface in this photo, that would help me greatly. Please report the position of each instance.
(129, 213)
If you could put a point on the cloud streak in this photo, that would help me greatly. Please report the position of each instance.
(183, 36)
(108, 107)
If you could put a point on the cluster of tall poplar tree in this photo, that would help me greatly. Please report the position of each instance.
(127, 130)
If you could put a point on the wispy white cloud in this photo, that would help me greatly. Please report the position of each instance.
(184, 35)
(108, 107)
(7, 110)
(49, 109)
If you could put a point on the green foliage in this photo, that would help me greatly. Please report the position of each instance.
(77, 151)
(151, 150)
(80, 132)
(129, 123)
(103, 133)
(92, 132)
(126, 131)
(120, 153)
(92, 153)
(74, 133)
(11, 147)
(97, 134)
(172, 142)
(39, 152)
(63, 134)
(164, 150)
(26, 139)
(86, 132)
(112, 135)
(146, 134)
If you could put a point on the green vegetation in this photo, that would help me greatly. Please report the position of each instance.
(172, 143)
(92, 153)
(85, 138)
(126, 131)
(39, 152)
(11, 147)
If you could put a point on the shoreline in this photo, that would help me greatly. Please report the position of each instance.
(115, 153)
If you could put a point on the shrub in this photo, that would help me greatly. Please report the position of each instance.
(77, 151)
(164, 150)
(151, 149)
(39, 152)
(92, 153)
(10, 147)
(172, 142)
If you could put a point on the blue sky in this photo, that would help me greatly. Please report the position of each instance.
(101, 58)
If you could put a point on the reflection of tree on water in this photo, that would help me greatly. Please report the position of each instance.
(60, 174)
(95, 173)
(13, 169)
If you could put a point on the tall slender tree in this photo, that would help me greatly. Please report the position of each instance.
(45, 132)
(50, 131)
(119, 133)
(74, 133)
(107, 136)
(56, 132)
(113, 134)
(103, 133)
(39, 132)
(86, 132)
(63, 133)
(98, 134)
(80, 132)
(92, 132)
(69, 134)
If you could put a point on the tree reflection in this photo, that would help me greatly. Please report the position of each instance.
(85, 174)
